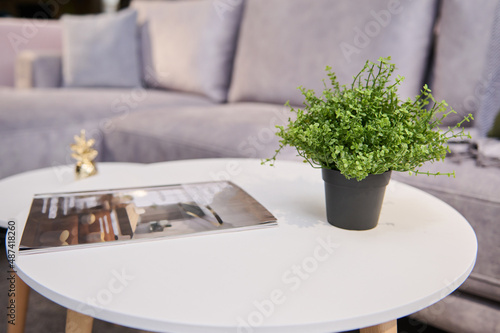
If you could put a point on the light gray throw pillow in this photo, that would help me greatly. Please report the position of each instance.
(101, 50)
(488, 116)
(287, 43)
(460, 55)
(189, 45)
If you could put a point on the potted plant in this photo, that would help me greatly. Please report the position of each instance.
(359, 134)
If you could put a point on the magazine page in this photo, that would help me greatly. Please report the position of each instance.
(58, 221)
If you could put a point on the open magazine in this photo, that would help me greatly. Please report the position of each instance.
(59, 221)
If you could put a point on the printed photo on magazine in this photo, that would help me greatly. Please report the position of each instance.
(58, 221)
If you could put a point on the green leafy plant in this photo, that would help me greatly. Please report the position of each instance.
(365, 128)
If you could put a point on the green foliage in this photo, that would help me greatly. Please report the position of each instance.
(365, 128)
(494, 132)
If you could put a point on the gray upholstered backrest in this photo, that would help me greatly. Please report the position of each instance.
(463, 33)
(287, 43)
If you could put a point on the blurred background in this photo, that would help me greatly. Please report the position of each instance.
(53, 9)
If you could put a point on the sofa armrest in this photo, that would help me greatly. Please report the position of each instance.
(40, 69)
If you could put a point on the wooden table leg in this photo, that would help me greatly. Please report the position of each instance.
(18, 298)
(78, 323)
(388, 327)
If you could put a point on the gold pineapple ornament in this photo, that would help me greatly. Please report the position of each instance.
(84, 155)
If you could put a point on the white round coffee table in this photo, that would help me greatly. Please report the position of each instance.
(301, 276)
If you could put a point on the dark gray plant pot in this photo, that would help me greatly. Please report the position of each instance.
(352, 204)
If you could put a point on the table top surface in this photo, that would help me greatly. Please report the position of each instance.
(303, 275)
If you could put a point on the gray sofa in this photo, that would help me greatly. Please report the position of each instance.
(215, 76)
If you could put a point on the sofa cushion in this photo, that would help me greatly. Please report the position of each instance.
(51, 108)
(195, 57)
(101, 50)
(461, 54)
(488, 117)
(229, 130)
(474, 192)
(287, 43)
(461, 312)
(37, 125)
